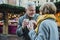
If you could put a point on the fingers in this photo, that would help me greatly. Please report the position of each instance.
(30, 26)
(25, 23)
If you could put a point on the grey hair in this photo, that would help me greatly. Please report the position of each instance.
(48, 8)
(28, 4)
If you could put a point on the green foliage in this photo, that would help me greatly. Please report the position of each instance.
(11, 9)
(37, 9)
(58, 6)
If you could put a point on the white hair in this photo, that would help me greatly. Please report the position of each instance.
(28, 4)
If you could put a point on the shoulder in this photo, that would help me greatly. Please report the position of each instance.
(48, 22)
(22, 17)
(36, 14)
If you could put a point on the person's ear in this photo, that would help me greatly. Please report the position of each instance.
(40, 13)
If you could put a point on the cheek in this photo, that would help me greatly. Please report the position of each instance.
(34, 11)
(28, 11)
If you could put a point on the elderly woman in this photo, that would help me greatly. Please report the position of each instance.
(46, 24)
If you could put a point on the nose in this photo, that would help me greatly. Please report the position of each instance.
(32, 11)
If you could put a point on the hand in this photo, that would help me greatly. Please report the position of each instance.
(25, 23)
(34, 23)
(30, 26)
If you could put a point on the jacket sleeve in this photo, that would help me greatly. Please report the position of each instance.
(42, 33)
(19, 30)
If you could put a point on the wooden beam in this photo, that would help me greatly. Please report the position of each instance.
(5, 26)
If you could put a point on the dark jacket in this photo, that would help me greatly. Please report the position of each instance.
(24, 32)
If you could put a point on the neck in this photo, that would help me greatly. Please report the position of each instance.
(29, 17)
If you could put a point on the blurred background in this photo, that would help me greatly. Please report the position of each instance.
(11, 10)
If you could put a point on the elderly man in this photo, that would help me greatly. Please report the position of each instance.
(23, 21)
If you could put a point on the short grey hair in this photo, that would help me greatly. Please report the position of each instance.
(28, 4)
(48, 8)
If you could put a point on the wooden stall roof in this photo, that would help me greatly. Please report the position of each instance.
(11, 8)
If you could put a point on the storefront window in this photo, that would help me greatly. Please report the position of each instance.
(13, 20)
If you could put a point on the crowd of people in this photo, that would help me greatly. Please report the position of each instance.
(42, 26)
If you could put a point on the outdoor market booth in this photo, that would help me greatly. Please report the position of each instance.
(9, 17)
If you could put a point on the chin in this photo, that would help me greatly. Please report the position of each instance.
(31, 15)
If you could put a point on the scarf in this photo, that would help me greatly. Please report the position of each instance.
(42, 18)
